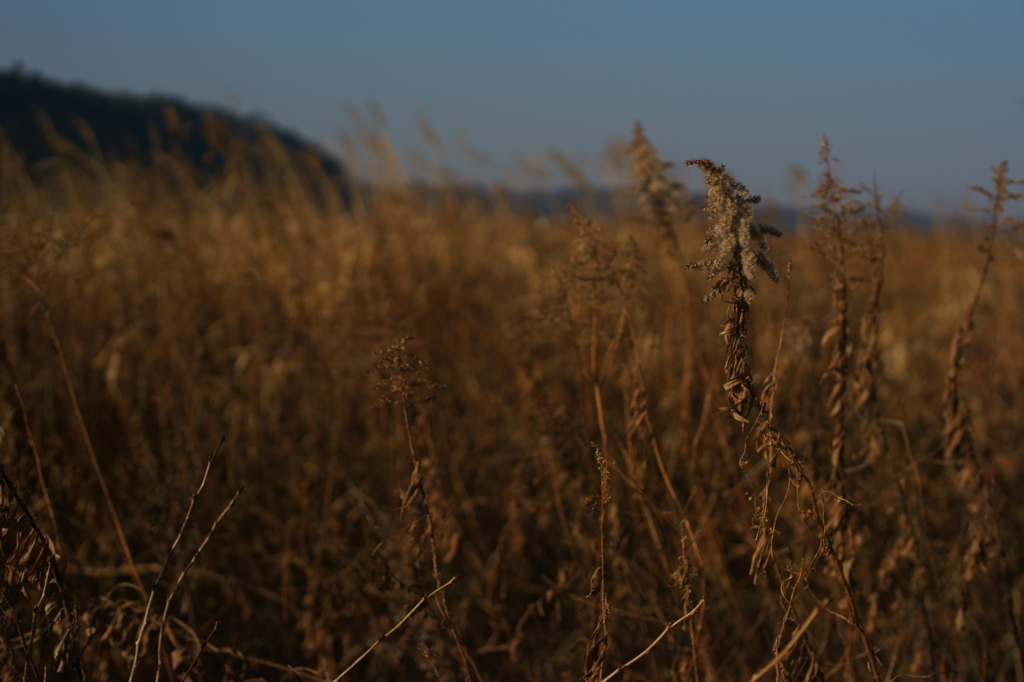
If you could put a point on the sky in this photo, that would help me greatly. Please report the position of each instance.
(919, 97)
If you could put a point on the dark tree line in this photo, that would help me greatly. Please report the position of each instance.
(134, 127)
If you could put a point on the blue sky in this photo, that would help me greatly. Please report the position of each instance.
(922, 96)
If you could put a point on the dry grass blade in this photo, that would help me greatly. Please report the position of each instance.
(794, 640)
(202, 647)
(597, 644)
(664, 633)
(394, 629)
(31, 440)
(184, 572)
(167, 559)
(84, 432)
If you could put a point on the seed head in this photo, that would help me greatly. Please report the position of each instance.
(730, 206)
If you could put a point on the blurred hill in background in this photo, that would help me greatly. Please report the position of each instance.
(41, 116)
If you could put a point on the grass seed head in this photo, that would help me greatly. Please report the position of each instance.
(658, 198)
(739, 243)
(404, 377)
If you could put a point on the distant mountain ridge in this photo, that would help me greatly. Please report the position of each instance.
(130, 126)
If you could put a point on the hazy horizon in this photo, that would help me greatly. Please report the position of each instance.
(922, 99)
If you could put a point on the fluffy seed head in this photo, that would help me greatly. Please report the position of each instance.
(738, 242)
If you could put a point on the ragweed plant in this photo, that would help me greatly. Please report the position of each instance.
(659, 199)
(740, 247)
(405, 383)
(834, 220)
(866, 362)
(730, 206)
(982, 542)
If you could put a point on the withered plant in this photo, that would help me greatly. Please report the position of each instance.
(405, 383)
(740, 246)
(154, 308)
(39, 619)
(981, 544)
(836, 213)
(661, 200)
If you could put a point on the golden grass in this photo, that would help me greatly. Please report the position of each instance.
(546, 449)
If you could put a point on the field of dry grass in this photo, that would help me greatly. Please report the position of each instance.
(539, 423)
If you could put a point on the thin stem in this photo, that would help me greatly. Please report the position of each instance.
(394, 629)
(654, 643)
(31, 440)
(72, 394)
(181, 576)
(167, 559)
(794, 640)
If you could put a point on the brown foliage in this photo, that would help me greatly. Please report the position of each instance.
(251, 308)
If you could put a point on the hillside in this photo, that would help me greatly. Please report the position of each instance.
(40, 116)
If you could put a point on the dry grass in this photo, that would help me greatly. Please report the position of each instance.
(543, 477)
